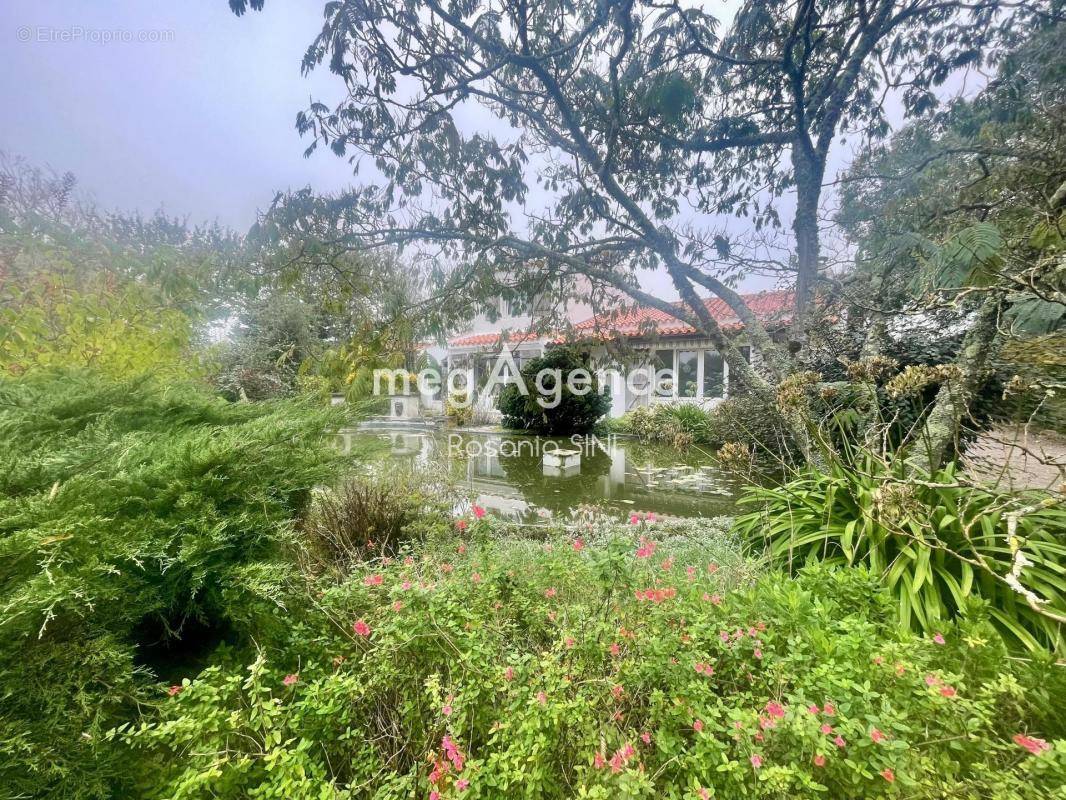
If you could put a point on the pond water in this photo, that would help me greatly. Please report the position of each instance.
(507, 475)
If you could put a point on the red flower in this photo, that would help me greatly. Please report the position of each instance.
(948, 691)
(888, 775)
(1031, 743)
(175, 689)
(479, 512)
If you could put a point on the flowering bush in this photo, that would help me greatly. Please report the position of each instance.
(634, 666)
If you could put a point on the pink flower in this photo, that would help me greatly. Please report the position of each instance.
(372, 580)
(446, 710)
(939, 639)
(542, 698)
(829, 709)
(617, 691)
(827, 729)
(174, 690)
(697, 725)
(931, 680)
(569, 642)
(947, 691)
(877, 736)
(579, 545)
(888, 774)
(712, 568)
(645, 737)
(290, 679)
(819, 760)
(703, 794)
(1031, 743)
(756, 761)
(479, 512)
(461, 524)
(716, 600)
(839, 741)
(406, 586)
(550, 592)
(757, 652)
(646, 548)
(775, 710)
(434, 795)
(614, 649)
(812, 708)
(476, 577)
(461, 548)
(397, 606)
(599, 762)
(508, 674)
(361, 628)
(461, 784)
(668, 564)
(651, 516)
(634, 519)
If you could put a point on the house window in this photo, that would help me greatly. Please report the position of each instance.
(662, 363)
(688, 364)
(713, 374)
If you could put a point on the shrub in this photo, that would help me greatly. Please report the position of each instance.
(557, 670)
(575, 413)
(933, 541)
(374, 514)
(139, 527)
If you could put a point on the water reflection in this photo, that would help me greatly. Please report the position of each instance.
(508, 477)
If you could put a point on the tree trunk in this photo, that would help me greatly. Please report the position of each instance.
(953, 400)
(809, 170)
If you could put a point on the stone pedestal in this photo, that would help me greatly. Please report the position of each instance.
(404, 406)
(561, 463)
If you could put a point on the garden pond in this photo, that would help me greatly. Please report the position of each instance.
(507, 476)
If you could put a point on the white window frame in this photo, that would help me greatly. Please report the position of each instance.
(676, 363)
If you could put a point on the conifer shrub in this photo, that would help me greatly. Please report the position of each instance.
(553, 407)
(140, 527)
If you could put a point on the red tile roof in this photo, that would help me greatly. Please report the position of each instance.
(487, 339)
(772, 307)
(769, 307)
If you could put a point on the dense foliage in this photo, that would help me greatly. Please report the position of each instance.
(549, 381)
(643, 663)
(935, 543)
(140, 526)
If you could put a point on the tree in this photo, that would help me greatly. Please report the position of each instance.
(964, 217)
(622, 112)
(575, 412)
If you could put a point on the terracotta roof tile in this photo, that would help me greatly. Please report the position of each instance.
(773, 306)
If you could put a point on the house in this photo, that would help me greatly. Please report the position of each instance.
(626, 340)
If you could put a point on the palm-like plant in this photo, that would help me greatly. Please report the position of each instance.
(935, 541)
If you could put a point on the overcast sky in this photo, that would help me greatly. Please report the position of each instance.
(199, 121)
